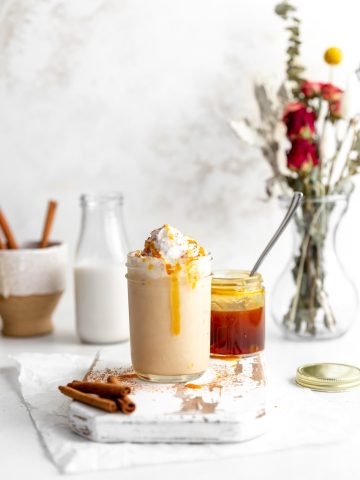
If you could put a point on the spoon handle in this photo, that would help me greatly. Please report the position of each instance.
(295, 202)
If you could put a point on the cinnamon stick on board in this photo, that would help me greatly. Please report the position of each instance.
(49, 220)
(125, 405)
(102, 389)
(2, 245)
(113, 379)
(7, 231)
(103, 403)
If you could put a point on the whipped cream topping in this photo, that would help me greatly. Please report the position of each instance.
(169, 244)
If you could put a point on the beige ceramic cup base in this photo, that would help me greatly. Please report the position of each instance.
(32, 280)
(28, 316)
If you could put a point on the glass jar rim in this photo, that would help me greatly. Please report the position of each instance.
(136, 261)
(336, 197)
(94, 199)
(237, 279)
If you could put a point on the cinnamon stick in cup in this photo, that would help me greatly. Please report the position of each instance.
(49, 220)
(5, 227)
(103, 403)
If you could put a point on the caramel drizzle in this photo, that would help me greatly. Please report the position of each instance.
(173, 272)
(175, 304)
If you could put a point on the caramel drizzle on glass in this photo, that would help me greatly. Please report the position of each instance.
(173, 272)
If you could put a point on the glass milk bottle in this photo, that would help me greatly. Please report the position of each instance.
(100, 283)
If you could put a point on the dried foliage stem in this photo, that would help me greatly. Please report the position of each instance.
(336, 155)
(300, 271)
(352, 124)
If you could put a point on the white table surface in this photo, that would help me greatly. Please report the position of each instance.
(22, 455)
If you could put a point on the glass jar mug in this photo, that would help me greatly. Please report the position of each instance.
(237, 313)
(169, 318)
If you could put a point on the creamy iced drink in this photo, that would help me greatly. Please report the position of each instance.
(169, 286)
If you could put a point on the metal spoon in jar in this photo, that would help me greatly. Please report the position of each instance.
(295, 202)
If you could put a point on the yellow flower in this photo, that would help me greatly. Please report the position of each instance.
(333, 56)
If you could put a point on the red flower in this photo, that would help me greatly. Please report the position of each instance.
(330, 92)
(293, 107)
(299, 120)
(311, 89)
(335, 109)
(302, 155)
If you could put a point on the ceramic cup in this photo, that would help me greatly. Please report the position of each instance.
(32, 281)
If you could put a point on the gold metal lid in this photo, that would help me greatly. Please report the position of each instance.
(328, 377)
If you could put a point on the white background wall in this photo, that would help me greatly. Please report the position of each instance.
(136, 95)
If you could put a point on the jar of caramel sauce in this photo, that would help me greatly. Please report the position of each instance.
(237, 313)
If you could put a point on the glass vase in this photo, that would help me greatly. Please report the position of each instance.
(314, 298)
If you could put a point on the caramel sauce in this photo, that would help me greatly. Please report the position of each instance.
(237, 332)
(227, 358)
(215, 384)
(150, 249)
(192, 275)
(193, 386)
(175, 304)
